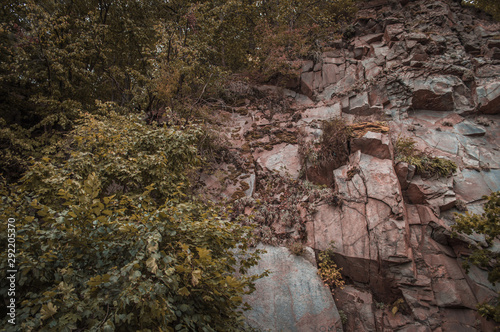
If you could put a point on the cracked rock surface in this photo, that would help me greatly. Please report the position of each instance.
(428, 70)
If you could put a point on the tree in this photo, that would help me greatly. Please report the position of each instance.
(488, 223)
(59, 57)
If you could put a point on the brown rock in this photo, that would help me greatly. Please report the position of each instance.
(358, 306)
(392, 32)
(307, 84)
(374, 144)
(283, 158)
(433, 97)
(437, 193)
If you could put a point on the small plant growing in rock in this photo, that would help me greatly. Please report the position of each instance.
(333, 142)
(397, 305)
(343, 317)
(328, 270)
(460, 205)
(350, 173)
(426, 165)
(483, 121)
(296, 248)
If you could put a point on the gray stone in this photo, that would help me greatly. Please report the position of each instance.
(489, 98)
(492, 179)
(359, 104)
(435, 93)
(437, 193)
(292, 297)
(392, 32)
(283, 158)
(468, 128)
(358, 305)
(453, 293)
(330, 74)
(307, 83)
(307, 65)
(441, 140)
(372, 38)
(470, 185)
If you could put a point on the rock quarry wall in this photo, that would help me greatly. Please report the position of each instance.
(428, 70)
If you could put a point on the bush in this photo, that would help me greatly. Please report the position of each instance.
(426, 165)
(143, 257)
(328, 270)
(331, 151)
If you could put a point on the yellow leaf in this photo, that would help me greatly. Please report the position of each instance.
(195, 277)
(151, 264)
(183, 291)
(184, 247)
(204, 253)
(48, 310)
(394, 310)
(107, 212)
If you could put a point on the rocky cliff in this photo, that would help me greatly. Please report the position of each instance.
(424, 71)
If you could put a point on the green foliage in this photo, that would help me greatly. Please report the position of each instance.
(426, 165)
(328, 270)
(126, 154)
(488, 223)
(59, 57)
(107, 238)
(343, 317)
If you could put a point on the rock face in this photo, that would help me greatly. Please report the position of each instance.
(293, 297)
(429, 70)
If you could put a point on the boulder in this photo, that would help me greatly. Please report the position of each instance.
(472, 185)
(307, 84)
(292, 297)
(368, 230)
(392, 32)
(435, 93)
